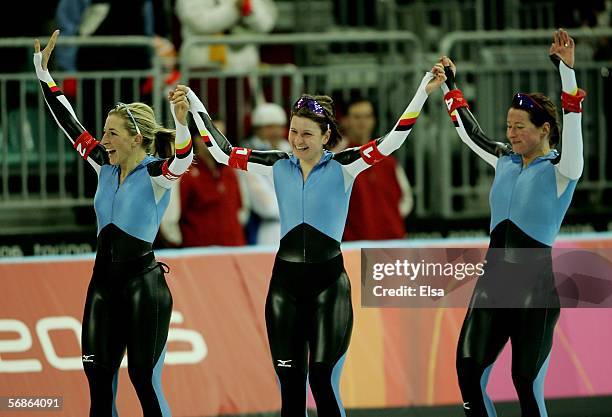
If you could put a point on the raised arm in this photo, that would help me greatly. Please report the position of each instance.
(465, 123)
(165, 172)
(562, 54)
(355, 160)
(220, 148)
(63, 113)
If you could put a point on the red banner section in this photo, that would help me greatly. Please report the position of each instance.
(218, 361)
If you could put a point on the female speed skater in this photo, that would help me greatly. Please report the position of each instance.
(128, 302)
(530, 195)
(308, 309)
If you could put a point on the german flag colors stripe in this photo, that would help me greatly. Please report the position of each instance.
(454, 118)
(407, 121)
(55, 90)
(183, 148)
(205, 138)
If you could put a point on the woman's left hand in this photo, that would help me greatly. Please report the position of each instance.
(46, 53)
(563, 46)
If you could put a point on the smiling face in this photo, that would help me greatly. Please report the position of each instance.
(306, 139)
(526, 138)
(118, 141)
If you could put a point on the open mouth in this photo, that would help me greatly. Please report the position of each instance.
(111, 152)
(301, 148)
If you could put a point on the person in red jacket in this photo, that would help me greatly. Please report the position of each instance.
(207, 188)
(382, 196)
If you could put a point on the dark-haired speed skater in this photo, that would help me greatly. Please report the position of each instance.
(516, 298)
(308, 311)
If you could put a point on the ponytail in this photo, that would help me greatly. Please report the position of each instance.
(156, 139)
(335, 137)
(164, 142)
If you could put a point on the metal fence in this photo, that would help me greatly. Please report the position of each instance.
(39, 169)
(37, 164)
(418, 15)
(328, 65)
(492, 66)
(335, 64)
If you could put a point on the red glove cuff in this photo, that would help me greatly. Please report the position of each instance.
(85, 144)
(454, 99)
(167, 173)
(370, 153)
(573, 103)
(239, 158)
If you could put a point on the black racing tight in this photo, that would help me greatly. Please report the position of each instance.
(309, 318)
(128, 306)
(484, 334)
(527, 317)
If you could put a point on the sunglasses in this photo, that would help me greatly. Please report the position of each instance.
(525, 102)
(129, 113)
(312, 105)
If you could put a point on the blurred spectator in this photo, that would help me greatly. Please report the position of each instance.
(209, 17)
(110, 18)
(85, 17)
(21, 22)
(88, 18)
(269, 123)
(585, 13)
(382, 196)
(219, 17)
(206, 206)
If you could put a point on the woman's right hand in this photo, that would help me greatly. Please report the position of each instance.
(46, 53)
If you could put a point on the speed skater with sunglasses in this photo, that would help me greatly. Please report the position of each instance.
(516, 298)
(308, 312)
(128, 304)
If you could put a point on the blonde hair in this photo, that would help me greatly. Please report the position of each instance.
(156, 139)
